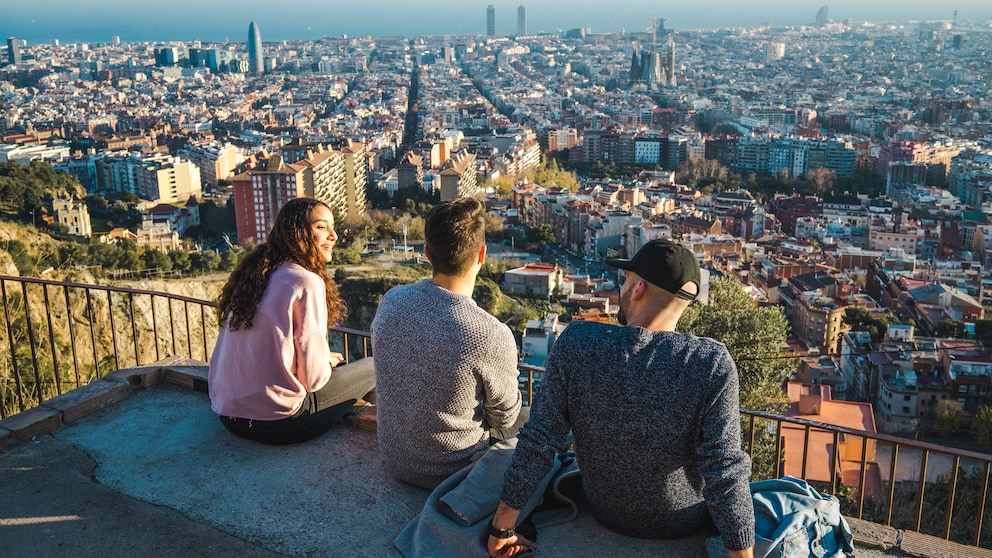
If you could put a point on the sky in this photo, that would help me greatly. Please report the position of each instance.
(217, 20)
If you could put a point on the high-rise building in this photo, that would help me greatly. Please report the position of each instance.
(823, 16)
(166, 56)
(256, 63)
(490, 21)
(774, 51)
(13, 51)
(521, 21)
(261, 192)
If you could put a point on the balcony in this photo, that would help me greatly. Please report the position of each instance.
(134, 463)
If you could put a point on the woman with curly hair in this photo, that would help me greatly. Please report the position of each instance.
(273, 377)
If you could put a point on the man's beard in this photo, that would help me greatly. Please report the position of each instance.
(624, 304)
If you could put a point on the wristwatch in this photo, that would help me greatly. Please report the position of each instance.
(501, 533)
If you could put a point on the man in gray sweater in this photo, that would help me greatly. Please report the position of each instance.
(446, 370)
(654, 415)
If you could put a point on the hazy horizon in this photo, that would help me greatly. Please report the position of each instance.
(219, 20)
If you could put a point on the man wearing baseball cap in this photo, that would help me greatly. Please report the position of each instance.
(654, 415)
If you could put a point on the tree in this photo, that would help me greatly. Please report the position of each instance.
(348, 255)
(754, 336)
(230, 258)
(820, 181)
(983, 332)
(180, 260)
(981, 426)
(204, 262)
(487, 295)
(698, 168)
(127, 255)
(155, 259)
(542, 234)
(948, 416)
(950, 329)
(862, 319)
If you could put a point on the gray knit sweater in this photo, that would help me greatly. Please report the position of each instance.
(446, 372)
(656, 424)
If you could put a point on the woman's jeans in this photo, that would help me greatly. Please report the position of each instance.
(320, 410)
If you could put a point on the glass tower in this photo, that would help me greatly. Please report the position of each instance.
(255, 61)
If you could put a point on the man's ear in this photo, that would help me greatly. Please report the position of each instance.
(482, 254)
(640, 288)
(427, 255)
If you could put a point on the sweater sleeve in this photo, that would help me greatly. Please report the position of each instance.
(312, 353)
(543, 437)
(499, 378)
(725, 468)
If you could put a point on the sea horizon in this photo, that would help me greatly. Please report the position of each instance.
(225, 21)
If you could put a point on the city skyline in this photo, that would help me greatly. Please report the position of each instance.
(99, 21)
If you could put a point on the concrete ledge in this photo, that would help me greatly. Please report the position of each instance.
(918, 544)
(187, 373)
(141, 376)
(872, 534)
(92, 397)
(366, 419)
(30, 423)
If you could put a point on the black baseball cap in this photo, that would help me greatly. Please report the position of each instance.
(666, 264)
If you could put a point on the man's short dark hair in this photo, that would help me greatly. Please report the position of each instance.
(455, 231)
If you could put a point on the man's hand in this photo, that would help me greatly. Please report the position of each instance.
(512, 546)
(746, 553)
(336, 359)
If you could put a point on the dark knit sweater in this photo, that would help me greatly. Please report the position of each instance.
(656, 424)
(446, 372)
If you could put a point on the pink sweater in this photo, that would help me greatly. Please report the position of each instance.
(263, 373)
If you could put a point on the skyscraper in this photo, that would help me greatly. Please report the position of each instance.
(521, 21)
(13, 51)
(490, 21)
(255, 61)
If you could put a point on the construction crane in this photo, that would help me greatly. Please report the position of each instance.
(658, 23)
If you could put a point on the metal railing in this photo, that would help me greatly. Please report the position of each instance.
(56, 336)
(905, 483)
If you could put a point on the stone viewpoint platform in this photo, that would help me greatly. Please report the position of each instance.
(137, 465)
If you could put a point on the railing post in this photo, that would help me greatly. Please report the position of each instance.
(203, 330)
(189, 334)
(981, 504)
(51, 341)
(72, 334)
(155, 326)
(31, 341)
(861, 478)
(923, 484)
(834, 458)
(113, 329)
(950, 497)
(13, 349)
(134, 330)
(892, 484)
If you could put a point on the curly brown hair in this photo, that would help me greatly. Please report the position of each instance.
(291, 240)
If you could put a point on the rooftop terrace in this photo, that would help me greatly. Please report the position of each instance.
(136, 464)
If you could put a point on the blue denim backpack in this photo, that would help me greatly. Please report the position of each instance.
(793, 520)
